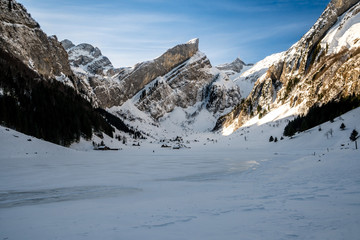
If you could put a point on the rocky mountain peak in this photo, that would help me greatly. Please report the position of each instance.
(67, 44)
(237, 66)
(88, 49)
(87, 57)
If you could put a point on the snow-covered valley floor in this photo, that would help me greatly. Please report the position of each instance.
(307, 187)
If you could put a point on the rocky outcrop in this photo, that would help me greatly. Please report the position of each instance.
(87, 57)
(21, 36)
(222, 94)
(310, 72)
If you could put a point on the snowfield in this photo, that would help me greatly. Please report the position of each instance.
(237, 187)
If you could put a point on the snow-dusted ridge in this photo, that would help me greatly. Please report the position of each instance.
(345, 33)
(322, 66)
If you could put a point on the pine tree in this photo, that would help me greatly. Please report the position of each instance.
(354, 136)
(143, 94)
(276, 139)
(271, 139)
(342, 126)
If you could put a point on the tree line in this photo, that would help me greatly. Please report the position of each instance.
(319, 114)
(44, 108)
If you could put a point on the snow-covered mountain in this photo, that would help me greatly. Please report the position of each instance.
(182, 77)
(234, 67)
(323, 65)
(108, 86)
(181, 89)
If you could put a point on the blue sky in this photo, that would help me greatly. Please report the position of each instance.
(131, 31)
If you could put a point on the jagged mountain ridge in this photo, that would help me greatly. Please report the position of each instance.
(308, 73)
(109, 86)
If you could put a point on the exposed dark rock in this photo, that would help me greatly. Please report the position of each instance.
(21, 35)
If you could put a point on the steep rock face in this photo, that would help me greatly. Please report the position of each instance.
(194, 81)
(145, 72)
(301, 55)
(21, 35)
(311, 71)
(222, 94)
(182, 87)
(35, 75)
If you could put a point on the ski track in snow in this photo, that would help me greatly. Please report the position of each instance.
(307, 187)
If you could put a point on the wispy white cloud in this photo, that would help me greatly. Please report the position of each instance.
(136, 30)
(138, 34)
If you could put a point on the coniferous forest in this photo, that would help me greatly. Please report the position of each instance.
(44, 108)
(320, 114)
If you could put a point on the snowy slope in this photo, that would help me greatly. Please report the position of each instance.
(238, 187)
(251, 74)
(345, 33)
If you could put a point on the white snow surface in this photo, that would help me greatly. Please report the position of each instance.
(193, 41)
(236, 187)
(64, 79)
(345, 33)
(249, 76)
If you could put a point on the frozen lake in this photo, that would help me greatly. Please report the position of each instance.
(304, 188)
